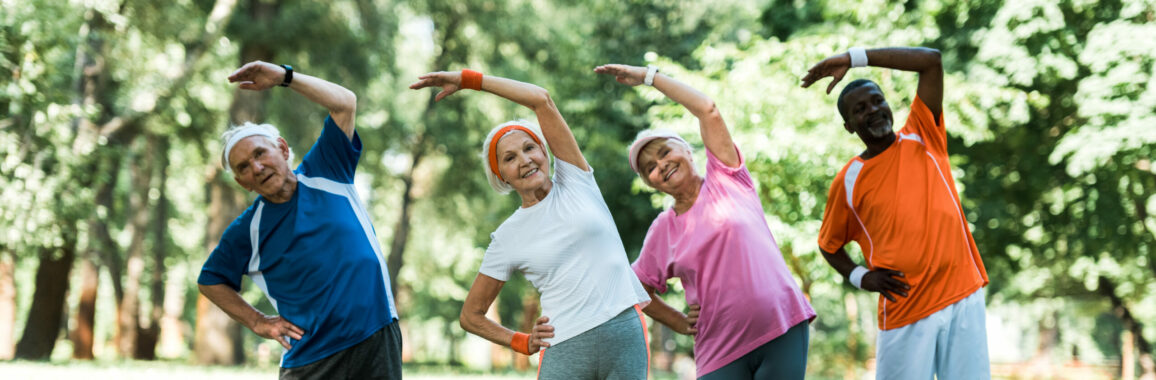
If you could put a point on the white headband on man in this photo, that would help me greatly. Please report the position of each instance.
(247, 131)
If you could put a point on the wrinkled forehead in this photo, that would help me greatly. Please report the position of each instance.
(246, 146)
(513, 140)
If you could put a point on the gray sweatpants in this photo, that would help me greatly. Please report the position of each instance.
(616, 349)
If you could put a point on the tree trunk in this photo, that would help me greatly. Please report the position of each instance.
(84, 322)
(7, 303)
(48, 300)
(1147, 364)
(217, 338)
(150, 330)
(401, 229)
(128, 310)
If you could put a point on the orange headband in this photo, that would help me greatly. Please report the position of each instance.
(494, 145)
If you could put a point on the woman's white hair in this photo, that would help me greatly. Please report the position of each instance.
(238, 132)
(501, 186)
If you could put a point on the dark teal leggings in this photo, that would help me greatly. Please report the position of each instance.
(784, 358)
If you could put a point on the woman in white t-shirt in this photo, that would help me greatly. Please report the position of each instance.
(562, 239)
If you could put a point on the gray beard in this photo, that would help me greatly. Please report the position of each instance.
(879, 131)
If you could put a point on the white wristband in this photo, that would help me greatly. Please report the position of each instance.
(650, 71)
(858, 56)
(856, 276)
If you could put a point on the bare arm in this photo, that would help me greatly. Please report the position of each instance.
(667, 315)
(924, 61)
(341, 103)
(712, 127)
(554, 127)
(884, 281)
(266, 326)
(473, 317)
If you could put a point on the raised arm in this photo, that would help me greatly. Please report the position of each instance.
(554, 127)
(713, 129)
(473, 317)
(341, 103)
(924, 61)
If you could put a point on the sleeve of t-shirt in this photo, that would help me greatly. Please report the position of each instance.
(334, 156)
(230, 260)
(571, 175)
(496, 263)
(652, 265)
(717, 170)
(920, 121)
(835, 233)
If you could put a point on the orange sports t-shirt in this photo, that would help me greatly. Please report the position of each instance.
(902, 207)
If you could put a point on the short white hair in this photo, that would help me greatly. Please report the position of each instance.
(238, 132)
(496, 183)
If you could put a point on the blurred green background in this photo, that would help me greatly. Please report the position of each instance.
(111, 195)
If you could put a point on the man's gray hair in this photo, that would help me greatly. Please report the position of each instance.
(238, 132)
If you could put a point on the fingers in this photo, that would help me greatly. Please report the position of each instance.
(609, 69)
(543, 320)
(832, 85)
(443, 94)
(284, 342)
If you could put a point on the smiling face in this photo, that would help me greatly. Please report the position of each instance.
(867, 114)
(259, 164)
(522, 162)
(666, 165)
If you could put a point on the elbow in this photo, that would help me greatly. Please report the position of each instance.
(934, 58)
(349, 101)
(466, 322)
(709, 113)
(540, 100)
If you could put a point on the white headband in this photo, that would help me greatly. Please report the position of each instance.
(236, 137)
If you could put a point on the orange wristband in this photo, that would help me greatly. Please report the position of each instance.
(471, 79)
(521, 343)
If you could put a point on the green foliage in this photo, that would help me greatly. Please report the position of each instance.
(1048, 105)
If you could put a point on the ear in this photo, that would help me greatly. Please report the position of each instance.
(283, 146)
(848, 127)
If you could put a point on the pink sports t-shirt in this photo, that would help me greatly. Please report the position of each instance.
(729, 264)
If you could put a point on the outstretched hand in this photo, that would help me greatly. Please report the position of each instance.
(627, 75)
(279, 329)
(835, 66)
(258, 76)
(449, 81)
(887, 282)
(541, 331)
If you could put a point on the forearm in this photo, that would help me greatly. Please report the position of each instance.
(340, 101)
(664, 313)
(477, 324)
(840, 261)
(232, 304)
(917, 59)
(528, 95)
(699, 105)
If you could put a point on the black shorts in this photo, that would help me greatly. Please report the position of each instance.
(376, 357)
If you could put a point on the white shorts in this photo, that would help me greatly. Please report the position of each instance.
(950, 344)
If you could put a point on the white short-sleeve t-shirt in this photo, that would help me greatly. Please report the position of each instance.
(568, 247)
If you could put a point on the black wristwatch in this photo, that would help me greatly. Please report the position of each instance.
(288, 75)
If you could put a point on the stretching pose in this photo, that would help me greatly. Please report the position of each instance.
(562, 239)
(898, 201)
(749, 319)
(307, 242)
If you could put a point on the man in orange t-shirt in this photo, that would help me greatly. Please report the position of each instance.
(898, 201)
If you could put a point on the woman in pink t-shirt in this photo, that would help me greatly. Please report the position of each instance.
(748, 316)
